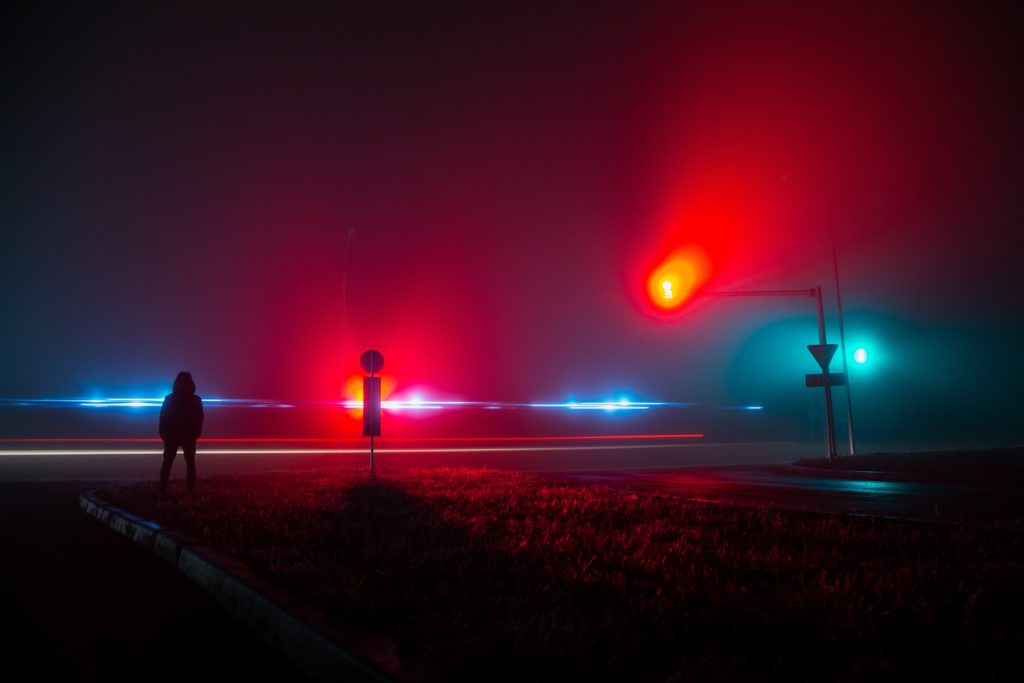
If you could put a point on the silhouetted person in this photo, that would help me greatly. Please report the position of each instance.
(181, 423)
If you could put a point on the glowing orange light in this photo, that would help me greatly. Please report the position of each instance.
(674, 280)
(353, 391)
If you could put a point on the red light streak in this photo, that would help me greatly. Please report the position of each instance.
(589, 437)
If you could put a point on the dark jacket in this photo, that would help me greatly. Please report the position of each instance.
(181, 417)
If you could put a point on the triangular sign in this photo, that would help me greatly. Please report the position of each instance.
(823, 353)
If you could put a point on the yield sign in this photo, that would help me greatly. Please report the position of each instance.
(822, 353)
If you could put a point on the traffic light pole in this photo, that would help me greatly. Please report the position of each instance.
(830, 425)
(830, 432)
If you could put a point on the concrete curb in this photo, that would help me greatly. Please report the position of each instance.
(300, 631)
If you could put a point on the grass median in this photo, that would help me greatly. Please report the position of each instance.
(500, 575)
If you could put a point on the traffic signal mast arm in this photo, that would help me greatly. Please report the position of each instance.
(766, 292)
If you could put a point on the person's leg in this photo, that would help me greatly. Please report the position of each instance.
(170, 450)
(189, 449)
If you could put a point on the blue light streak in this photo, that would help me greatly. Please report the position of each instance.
(136, 402)
(398, 405)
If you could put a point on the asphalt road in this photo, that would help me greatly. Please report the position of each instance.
(89, 460)
(779, 487)
(81, 603)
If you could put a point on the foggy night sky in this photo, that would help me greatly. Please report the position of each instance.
(178, 182)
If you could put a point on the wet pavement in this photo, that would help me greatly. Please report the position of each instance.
(780, 487)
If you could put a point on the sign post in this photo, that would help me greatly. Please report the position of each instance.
(371, 361)
(823, 352)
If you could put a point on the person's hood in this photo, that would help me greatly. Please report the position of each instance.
(183, 383)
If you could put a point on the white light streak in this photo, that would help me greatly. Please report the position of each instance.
(338, 451)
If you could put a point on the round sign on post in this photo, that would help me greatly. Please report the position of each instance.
(372, 361)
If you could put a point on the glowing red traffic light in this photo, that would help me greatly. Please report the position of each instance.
(675, 279)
